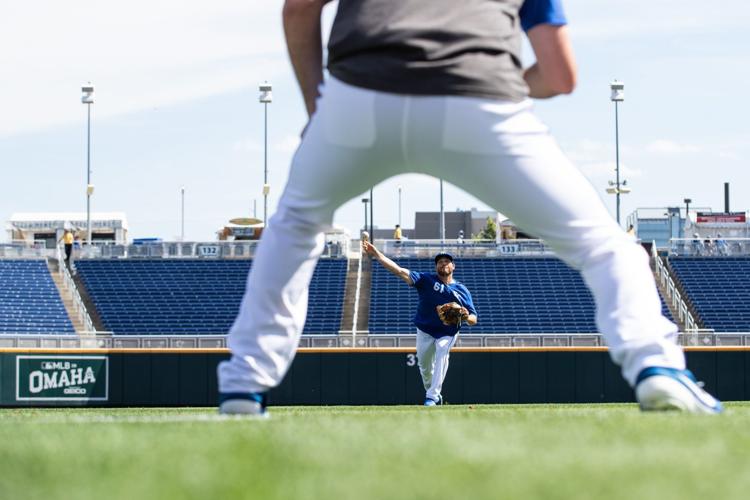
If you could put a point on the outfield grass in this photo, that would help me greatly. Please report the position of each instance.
(511, 451)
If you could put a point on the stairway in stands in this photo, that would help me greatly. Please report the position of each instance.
(65, 295)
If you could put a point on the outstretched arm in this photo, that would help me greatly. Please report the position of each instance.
(554, 72)
(387, 263)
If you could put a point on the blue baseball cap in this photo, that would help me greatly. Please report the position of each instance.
(443, 255)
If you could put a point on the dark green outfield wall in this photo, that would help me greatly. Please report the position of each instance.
(342, 377)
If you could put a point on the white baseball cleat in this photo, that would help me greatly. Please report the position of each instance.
(660, 389)
(243, 404)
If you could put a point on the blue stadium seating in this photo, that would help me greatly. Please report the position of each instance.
(154, 296)
(29, 300)
(513, 295)
(718, 288)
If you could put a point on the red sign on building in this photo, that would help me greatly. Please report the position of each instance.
(720, 217)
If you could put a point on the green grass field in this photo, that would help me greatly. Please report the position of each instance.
(509, 451)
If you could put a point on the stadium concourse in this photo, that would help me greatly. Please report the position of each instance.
(525, 295)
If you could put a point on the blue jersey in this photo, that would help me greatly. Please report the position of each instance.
(534, 12)
(432, 293)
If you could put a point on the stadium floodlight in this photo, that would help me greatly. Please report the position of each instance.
(618, 91)
(88, 94)
(266, 97)
(266, 94)
(622, 189)
(617, 95)
(88, 99)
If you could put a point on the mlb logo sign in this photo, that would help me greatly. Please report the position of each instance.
(62, 378)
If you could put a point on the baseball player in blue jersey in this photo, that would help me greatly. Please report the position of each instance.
(435, 335)
(437, 87)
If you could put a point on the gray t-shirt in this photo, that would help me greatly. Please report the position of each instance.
(429, 47)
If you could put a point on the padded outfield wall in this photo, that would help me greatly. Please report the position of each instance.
(172, 377)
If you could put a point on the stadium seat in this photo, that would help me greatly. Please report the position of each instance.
(513, 295)
(29, 300)
(194, 296)
(717, 289)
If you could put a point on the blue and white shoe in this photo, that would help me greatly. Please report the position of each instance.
(243, 404)
(432, 402)
(660, 389)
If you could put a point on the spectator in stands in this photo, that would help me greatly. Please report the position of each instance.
(697, 244)
(67, 239)
(721, 245)
(462, 60)
(434, 338)
(397, 233)
(708, 247)
(460, 243)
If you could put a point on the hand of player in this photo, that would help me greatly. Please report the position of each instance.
(369, 248)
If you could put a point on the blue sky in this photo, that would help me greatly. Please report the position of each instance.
(177, 105)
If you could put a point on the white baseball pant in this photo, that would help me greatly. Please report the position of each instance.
(433, 356)
(496, 150)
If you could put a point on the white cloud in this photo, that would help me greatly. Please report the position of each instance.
(606, 169)
(728, 155)
(138, 54)
(248, 144)
(645, 17)
(667, 147)
(288, 144)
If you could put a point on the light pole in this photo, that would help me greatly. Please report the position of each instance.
(399, 205)
(617, 187)
(372, 226)
(265, 97)
(182, 214)
(365, 201)
(88, 100)
(687, 201)
(442, 214)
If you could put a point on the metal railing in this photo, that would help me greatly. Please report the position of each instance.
(709, 247)
(335, 247)
(673, 294)
(510, 341)
(71, 287)
(463, 248)
(190, 250)
(22, 249)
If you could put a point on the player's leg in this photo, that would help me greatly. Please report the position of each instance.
(443, 347)
(509, 160)
(341, 155)
(425, 357)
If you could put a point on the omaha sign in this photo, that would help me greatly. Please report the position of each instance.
(62, 378)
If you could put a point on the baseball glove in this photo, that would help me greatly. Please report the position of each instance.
(452, 313)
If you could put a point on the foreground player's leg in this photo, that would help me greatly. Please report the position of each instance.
(338, 159)
(511, 162)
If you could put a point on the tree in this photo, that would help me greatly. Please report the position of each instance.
(489, 232)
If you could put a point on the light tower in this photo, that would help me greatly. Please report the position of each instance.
(617, 187)
(88, 99)
(266, 97)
